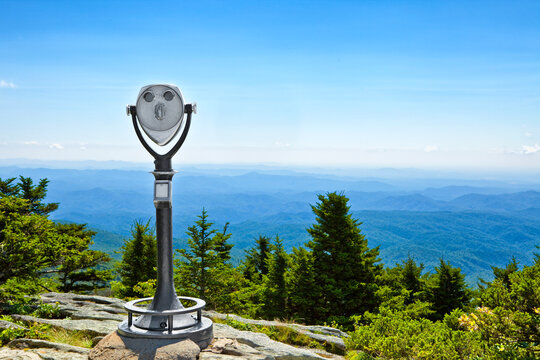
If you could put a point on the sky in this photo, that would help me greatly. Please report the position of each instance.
(422, 84)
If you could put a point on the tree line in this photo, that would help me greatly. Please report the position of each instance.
(399, 311)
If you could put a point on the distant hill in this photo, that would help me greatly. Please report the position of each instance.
(472, 223)
(503, 202)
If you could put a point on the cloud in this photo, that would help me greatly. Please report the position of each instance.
(431, 148)
(527, 150)
(280, 144)
(31, 142)
(6, 84)
(56, 146)
(528, 134)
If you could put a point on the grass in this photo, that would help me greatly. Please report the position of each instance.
(45, 332)
(63, 336)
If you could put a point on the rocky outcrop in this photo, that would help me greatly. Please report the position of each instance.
(100, 316)
(321, 334)
(86, 306)
(117, 347)
(11, 354)
(9, 325)
(41, 349)
(90, 326)
(250, 345)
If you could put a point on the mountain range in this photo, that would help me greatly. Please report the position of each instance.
(475, 224)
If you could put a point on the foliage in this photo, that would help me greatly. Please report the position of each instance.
(255, 263)
(275, 288)
(29, 242)
(32, 245)
(20, 290)
(509, 319)
(344, 267)
(32, 330)
(139, 259)
(35, 194)
(79, 269)
(395, 335)
(203, 270)
(448, 290)
(145, 288)
(45, 332)
(47, 311)
(301, 281)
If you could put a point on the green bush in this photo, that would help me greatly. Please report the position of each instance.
(395, 335)
(48, 311)
(35, 331)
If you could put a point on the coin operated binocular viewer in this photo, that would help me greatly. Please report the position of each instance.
(160, 113)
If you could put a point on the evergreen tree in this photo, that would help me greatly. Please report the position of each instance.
(33, 245)
(504, 273)
(411, 278)
(223, 248)
(139, 258)
(301, 285)
(79, 268)
(201, 255)
(448, 290)
(255, 263)
(7, 188)
(275, 293)
(344, 267)
(28, 242)
(202, 269)
(35, 195)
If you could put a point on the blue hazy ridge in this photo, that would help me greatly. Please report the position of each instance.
(474, 225)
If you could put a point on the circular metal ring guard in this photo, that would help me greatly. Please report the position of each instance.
(199, 305)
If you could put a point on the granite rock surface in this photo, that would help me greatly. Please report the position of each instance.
(99, 316)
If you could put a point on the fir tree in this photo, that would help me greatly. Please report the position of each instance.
(223, 248)
(255, 263)
(139, 258)
(35, 195)
(8, 188)
(301, 285)
(79, 268)
(344, 267)
(275, 293)
(411, 278)
(33, 245)
(202, 269)
(448, 290)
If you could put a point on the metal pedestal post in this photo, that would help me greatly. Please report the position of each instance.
(166, 317)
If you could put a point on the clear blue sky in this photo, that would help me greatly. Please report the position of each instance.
(428, 84)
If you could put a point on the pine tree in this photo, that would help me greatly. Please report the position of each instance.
(223, 248)
(35, 195)
(139, 258)
(255, 263)
(275, 293)
(29, 242)
(448, 290)
(411, 278)
(301, 285)
(200, 256)
(203, 269)
(344, 267)
(32, 245)
(7, 188)
(79, 268)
